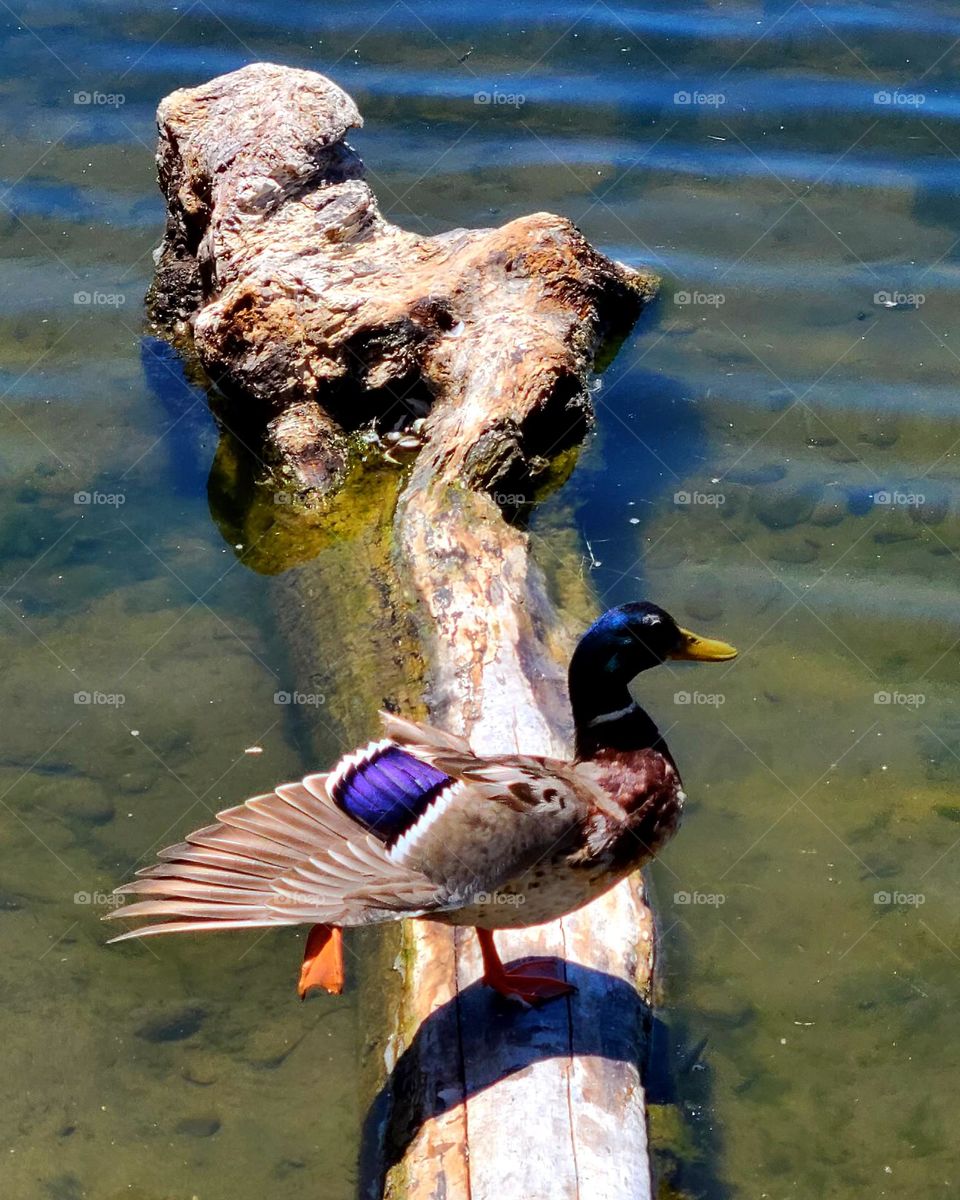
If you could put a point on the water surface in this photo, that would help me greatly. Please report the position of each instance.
(763, 444)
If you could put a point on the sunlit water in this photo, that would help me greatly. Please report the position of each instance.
(763, 446)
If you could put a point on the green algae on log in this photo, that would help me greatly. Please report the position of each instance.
(315, 316)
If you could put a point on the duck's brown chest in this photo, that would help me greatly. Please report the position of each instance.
(646, 797)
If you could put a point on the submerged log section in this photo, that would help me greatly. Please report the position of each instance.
(315, 315)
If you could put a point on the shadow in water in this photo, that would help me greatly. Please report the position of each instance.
(191, 433)
(486, 1031)
(653, 439)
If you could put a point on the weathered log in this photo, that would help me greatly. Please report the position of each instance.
(315, 315)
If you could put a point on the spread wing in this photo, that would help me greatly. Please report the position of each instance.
(409, 825)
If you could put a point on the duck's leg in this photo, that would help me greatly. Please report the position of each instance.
(530, 982)
(322, 961)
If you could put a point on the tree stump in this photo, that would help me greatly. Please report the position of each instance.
(317, 317)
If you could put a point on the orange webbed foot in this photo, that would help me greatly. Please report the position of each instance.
(532, 981)
(322, 961)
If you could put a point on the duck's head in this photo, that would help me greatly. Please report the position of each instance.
(637, 636)
(617, 647)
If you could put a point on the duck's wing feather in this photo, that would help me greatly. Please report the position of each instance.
(287, 857)
(409, 825)
(417, 736)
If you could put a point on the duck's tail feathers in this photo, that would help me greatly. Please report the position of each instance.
(285, 858)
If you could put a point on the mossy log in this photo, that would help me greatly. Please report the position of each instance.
(315, 316)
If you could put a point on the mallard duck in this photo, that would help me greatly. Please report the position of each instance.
(417, 825)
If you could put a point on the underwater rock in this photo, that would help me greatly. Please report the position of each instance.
(796, 550)
(198, 1127)
(202, 1066)
(843, 454)
(831, 508)
(934, 506)
(76, 799)
(173, 1026)
(289, 1166)
(704, 603)
(269, 1047)
(784, 507)
(137, 782)
(890, 537)
(881, 435)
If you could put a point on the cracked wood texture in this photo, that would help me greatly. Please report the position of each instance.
(315, 315)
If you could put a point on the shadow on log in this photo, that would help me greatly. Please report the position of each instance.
(316, 318)
(500, 1042)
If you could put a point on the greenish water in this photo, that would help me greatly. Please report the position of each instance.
(747, 436)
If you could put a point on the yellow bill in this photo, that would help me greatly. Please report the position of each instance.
(701, 649)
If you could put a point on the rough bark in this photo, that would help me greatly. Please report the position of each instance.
(315, 315)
